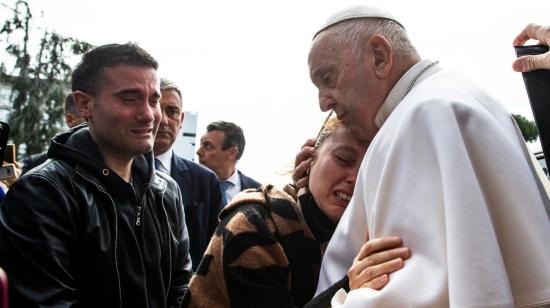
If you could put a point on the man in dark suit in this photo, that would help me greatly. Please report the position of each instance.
(200, 188)
(220, 149)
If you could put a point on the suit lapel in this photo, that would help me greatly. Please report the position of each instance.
(244, 183)
(179, 172)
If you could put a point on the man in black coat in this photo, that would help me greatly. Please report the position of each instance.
(200, 188)
(96, 225)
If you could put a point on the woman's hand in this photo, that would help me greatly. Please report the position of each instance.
(300, 176)
(375, 261)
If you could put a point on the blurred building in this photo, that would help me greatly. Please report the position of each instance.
(185, 143)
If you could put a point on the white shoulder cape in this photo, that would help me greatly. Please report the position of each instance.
(449, 174)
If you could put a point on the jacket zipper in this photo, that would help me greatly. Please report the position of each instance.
(138, 216)
(139, 208)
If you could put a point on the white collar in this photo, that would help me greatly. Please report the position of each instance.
(411, 78)
(234, 178)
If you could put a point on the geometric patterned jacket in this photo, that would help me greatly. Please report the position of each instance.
(263, 253)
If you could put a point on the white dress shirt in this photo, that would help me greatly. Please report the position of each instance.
(165, 161)
(234, 189)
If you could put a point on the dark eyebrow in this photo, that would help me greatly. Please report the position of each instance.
(172, 108)
(132, 91)
(124, 92)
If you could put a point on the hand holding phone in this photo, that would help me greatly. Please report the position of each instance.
(4, 134)
(9, 154)
(7, 172)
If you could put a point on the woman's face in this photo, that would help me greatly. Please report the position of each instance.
(334, 170)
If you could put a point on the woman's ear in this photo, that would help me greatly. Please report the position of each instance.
(382, 55)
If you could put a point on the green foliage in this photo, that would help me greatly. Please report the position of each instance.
(39, 80)
(528, 128)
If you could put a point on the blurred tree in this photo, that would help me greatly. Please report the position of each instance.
(528, 128)
(39, 80)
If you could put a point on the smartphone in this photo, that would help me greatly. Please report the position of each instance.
(4, 134)
(9, 154)
(7, 171)
(537, 83)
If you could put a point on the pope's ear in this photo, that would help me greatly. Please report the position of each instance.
(382, 54)
(83, 103)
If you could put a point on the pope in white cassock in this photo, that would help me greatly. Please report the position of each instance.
(446, 170)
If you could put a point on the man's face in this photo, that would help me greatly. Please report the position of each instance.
(346, 84)
(125, 115)
(170, 124)
(210, 151)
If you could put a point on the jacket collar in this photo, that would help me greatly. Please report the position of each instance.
(77, 148)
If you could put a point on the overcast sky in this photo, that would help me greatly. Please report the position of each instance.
(246, 61)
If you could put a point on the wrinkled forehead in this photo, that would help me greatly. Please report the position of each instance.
(325, 55)
(321, 46)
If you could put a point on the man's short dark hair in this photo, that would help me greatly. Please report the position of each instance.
(70, 106)
(90, 72)
(233, 135)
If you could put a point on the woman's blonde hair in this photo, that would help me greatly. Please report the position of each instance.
(330, 126)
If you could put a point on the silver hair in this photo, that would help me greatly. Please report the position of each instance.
(356, 31)
(167, 85)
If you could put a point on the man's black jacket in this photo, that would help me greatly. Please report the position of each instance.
(73, 233)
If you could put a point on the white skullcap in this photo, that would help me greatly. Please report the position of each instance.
(354, 12)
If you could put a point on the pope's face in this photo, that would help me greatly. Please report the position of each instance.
(346, 84)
